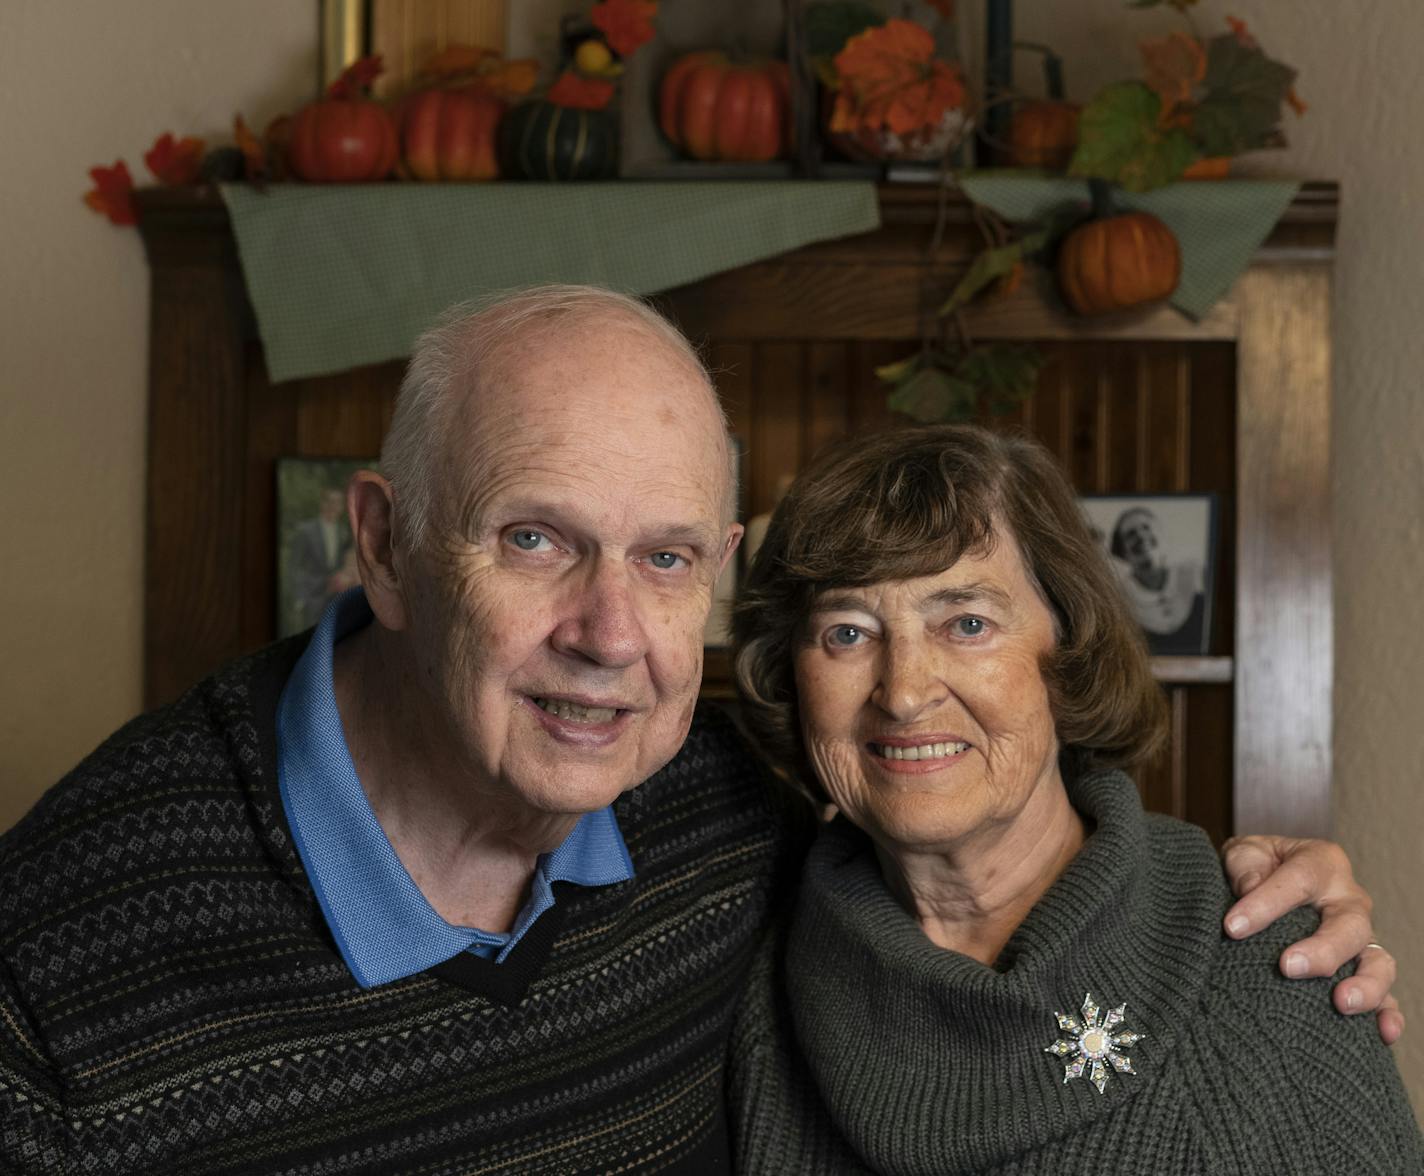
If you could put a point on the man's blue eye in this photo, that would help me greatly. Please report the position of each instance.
(970, 626)
(527, 540)
(845, 635)
(664, 560)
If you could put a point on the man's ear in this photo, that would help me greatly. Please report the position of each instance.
(730, 543)
(371, 509)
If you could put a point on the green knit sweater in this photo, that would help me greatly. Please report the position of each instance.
(171, 1000)
(896, 1056)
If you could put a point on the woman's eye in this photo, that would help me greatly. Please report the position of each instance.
(844, 635)
(968, 626)
(527, 540)
(666, 560)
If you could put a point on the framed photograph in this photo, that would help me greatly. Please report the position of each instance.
(315, 557)
(1163, 549)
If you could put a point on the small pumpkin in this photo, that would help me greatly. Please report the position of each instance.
(1043, 133)
(450, 134)
(1117, 260)
(343, 137)
(540, 140)
(711, 108)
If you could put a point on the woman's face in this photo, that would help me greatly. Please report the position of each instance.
(922, 704)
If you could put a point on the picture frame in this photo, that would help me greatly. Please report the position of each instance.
(315, 555)
(1162, 548)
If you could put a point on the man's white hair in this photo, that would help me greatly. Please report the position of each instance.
(451, 358)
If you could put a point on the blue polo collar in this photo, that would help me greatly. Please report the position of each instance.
(383, 925)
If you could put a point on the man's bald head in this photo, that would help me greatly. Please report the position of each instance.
(460, 368)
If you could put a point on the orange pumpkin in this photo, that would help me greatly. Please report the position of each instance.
(450, 134)
(711, 108)
(341, 140)
(1115, 262)
(1043, 133)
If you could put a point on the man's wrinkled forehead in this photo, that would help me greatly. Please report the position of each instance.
(553, 387)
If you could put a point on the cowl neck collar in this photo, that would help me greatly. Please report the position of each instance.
(929, 1061)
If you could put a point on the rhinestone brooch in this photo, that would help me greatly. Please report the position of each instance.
(1093, 1041)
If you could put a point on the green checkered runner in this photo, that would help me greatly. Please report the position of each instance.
(1219, 223)
(347, 275)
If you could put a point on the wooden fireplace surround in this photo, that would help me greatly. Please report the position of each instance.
(1238, 403)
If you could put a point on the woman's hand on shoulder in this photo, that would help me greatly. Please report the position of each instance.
(1271, 876)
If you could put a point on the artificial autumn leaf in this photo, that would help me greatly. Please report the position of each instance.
(625, 24)
(1173, 66)
(112, 193)
(509, 79)
(989, 266)
(891, 78)
(253, 153)
(932, 394)
(828, 26)
(1121, 139)
(174, 162)
(580, 93)
(1245, 89)
(1242, 33)
(1296, 102)
(457, 59)
(356, 77)
(1006, 374)
(897, 372)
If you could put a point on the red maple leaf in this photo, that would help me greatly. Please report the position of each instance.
(356, 77)
(580, 93)
(254, 155)
(174, 162)
(625, 23)
(112, 193)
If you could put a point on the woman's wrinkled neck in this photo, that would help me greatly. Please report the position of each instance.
(971, 896)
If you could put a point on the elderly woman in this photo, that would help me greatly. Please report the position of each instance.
(996, 961)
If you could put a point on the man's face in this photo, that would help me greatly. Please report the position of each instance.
(556, 617)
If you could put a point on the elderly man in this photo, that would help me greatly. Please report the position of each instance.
(433, 889)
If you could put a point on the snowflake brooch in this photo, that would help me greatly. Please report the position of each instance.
(1092, 1042)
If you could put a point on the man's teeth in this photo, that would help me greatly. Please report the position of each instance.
(926, 751)
(575, 713)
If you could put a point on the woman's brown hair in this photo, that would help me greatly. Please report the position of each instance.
(909, 502)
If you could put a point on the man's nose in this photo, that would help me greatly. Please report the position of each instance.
(602, 621)
(911, 681)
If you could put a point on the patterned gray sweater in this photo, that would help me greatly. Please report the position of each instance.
(171, 1000)
(899, 1057)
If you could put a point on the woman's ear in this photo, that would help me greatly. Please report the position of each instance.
(371, 509)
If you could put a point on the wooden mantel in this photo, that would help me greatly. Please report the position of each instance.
(1249, 387)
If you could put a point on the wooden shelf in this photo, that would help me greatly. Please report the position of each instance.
(1192, 671)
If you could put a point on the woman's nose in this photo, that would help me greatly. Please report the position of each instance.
(911, 681)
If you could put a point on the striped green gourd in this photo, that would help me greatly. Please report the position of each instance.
(541, 141)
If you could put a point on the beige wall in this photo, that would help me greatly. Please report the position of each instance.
(84, 82)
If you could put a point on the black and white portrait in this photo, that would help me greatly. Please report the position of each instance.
(1162, 548)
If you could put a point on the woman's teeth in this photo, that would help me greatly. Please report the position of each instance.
(575, 713)
(926, 751)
